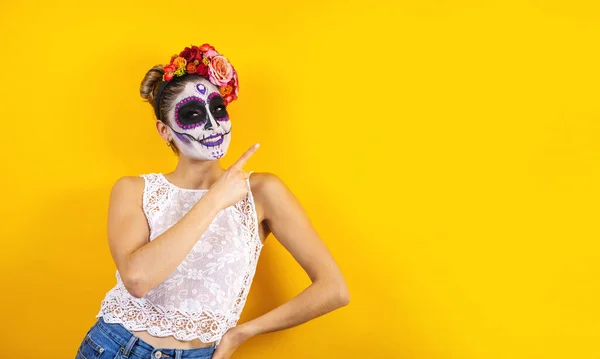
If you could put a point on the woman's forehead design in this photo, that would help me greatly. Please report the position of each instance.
(202, 90)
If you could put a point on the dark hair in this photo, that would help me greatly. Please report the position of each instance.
(150, 85)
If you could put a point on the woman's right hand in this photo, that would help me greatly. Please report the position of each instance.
(231, 186)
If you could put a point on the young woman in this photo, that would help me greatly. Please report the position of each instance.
(186, 243)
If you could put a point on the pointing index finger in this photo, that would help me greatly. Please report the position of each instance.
(244, 157)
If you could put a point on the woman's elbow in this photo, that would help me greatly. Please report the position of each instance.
(136, 291)
(343, 297)
(338, 294)
(135, 284)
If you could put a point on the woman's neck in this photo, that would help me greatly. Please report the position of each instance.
(195, 174)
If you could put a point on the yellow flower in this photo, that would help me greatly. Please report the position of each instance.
(180, 71)
(205, 61)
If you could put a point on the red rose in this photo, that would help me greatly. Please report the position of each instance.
(191, 54)
(168, 76)
(234, 83)
(170, 68)
(186, 54)
(202, 70)
(196, 53)
(206, 47)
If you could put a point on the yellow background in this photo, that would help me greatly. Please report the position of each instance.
(446, 151)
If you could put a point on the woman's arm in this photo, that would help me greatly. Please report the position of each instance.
(142, 264)
(290, 225)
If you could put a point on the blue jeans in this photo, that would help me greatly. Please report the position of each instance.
(114, 341)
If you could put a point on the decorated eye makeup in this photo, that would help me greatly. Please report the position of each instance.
(217, 107)
(190, 113)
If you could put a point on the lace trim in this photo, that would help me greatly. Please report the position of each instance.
(246, 211)
(139, 314)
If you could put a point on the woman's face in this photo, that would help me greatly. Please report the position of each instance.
(199, 122)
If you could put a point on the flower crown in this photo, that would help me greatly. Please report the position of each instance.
(208, 63)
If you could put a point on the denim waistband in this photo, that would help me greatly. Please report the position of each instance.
(131, 343)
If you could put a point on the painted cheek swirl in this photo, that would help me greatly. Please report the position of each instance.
(182, 138)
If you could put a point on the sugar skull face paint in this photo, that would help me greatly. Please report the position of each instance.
(199, 122)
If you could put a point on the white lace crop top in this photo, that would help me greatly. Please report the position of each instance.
(205, 295)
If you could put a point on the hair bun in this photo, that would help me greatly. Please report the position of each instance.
(149, 84)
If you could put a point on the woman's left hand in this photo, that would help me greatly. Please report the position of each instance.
(230, 341)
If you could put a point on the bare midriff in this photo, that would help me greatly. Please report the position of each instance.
(170, 342)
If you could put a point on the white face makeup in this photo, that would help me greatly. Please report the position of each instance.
(199, 122)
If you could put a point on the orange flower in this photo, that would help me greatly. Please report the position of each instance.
(225, 90)
(191, 68)
(180, 62)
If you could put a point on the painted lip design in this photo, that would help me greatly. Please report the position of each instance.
(212, 140)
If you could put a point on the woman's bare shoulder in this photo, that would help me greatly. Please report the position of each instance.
(262, 183)
(128, 187)
(268, 188)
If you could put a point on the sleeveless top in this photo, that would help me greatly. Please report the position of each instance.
(205, 294)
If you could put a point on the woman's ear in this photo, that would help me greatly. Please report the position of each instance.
(163, 131)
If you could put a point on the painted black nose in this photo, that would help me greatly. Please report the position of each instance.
(211, 123)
